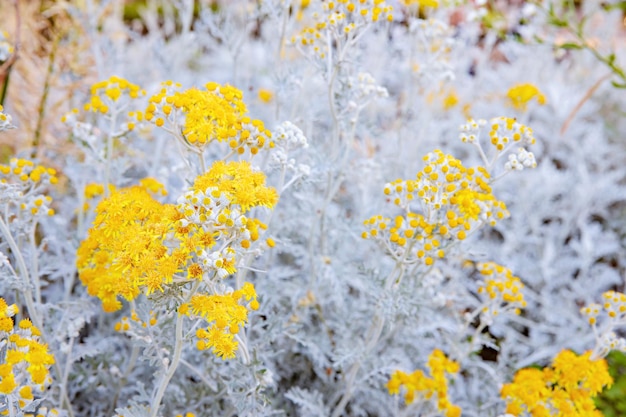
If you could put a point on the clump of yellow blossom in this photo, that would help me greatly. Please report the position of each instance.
(106, 93)
(521, 94)
(24, 360)
(567, 388)
(340, 22)
(138, 244)
(216, 113)
(417, 386)
(504, 133)
(265, 95)
(422, 3)
(443, 204)
(501, 291)
(225, 314)
(93, 190)
(613, 309)
(213, 211)
(27, 181)
(125, 250)
(113, 99)
(614, 305)
(420, 8)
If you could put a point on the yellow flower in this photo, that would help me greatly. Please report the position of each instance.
(521, 94)
(568, 387)
(239, 183)
(217, 113)
(456, 199)
(423, 3)
(93, 190)
(24, 360)
(124, 252)
(433, 388)
(265, 95)
(108, 92)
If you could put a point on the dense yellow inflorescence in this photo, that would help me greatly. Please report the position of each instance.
(501, 290)
(567, 388)
(139, 245)
(341, 20)
(24, 360)
(106, 93)
(521, 94)
(225, 314)
(29, 180)
(614, 305)
(417, 386)
(125, 251)
(453, 201)
(215, 113)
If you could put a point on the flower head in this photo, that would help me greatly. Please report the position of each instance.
(24, 360)
(216, 113)
(565, 388)
(417, 386)
(521, 94)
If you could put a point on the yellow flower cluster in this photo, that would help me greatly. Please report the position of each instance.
(106, 93)
(521, 94)
(422, 3)
(225, 314)
(419, 387)
(212, 214)
(505, 130)
(614, 316)
(341, 19)
(454, 201)
(504, 133)
(28, 179)
(93, 190)
(614, 306)
(500, 289)
(25, 171)
(265, 95)
(138, 244)
(24, 360)
(125, 250)
(216, 113)
(566, 388)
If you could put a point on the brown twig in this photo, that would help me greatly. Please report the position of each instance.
(582, 101)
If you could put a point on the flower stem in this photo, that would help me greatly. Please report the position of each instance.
(167, 376)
